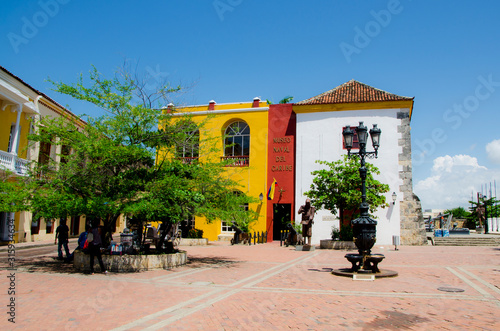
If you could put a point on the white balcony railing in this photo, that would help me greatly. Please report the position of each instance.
(237, 161)
(13, 163)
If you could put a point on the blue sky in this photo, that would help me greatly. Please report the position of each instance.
(445, 54)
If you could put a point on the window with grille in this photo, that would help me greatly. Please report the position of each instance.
(226, 226)
(237, 145)
(237, 140)
(189, 148)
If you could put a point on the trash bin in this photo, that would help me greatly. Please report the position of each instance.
(438, 233)
(446, 233)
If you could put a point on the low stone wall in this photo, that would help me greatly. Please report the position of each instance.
(130, 263)
(193, 242)
(225, 237)
(336, 244)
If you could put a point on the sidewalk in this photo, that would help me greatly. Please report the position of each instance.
(34, 244)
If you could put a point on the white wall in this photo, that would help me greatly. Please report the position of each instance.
(319, 137)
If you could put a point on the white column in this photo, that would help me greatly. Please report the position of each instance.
(15, 138)
(58, 150)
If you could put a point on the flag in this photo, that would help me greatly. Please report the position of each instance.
(270, 193)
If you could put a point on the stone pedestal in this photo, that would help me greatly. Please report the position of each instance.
(304, 248)
(337, 244)
(130, 263)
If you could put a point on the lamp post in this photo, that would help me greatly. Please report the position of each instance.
(364, 227)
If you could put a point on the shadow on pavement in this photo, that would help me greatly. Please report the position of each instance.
(214, 262)
(45, 264)
(393, 320)
(50, 264)
(322, 270)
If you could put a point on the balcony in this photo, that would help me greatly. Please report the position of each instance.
(236, 161)
(13, 163)
(189, 160)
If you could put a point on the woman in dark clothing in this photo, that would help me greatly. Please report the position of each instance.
(95, 248)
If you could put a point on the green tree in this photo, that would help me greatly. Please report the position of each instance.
(458, 212)
(286, 99)
(124, 162)
(337, 187)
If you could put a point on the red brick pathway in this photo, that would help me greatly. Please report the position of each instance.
(267, 287)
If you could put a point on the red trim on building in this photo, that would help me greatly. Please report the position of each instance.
(281, 160)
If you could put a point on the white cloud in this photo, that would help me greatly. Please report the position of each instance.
(452, 181)
(493, 150)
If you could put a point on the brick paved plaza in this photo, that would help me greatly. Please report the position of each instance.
(264, 287)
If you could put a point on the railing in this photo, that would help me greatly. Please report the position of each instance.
(21, 166)
(189, 160)
(236, 161)
(246, 238)
(13, 163)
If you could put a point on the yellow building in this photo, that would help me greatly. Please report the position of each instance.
(244, 126)
(21, 106)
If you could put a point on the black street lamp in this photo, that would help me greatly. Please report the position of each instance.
(364, 227)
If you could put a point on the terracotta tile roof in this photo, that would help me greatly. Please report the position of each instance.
(352, 91)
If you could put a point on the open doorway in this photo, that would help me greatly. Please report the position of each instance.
(282, 215)
(75, 226)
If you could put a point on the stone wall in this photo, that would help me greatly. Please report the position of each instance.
(130, 263)
(193, 242)
(412, 220)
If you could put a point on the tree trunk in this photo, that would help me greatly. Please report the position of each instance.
(165, 228)
(341, 216)
(107, 235)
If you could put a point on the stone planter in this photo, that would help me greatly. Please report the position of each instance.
(336, 244)
(130, 263)
(193, 242)
(480, 229)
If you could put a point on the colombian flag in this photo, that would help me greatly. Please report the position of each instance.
(270, 193)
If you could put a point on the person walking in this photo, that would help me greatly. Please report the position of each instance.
(95, 242)
(62, 236)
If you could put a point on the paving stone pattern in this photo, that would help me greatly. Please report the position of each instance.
(266, 287)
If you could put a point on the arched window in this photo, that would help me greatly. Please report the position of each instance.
(237, 143)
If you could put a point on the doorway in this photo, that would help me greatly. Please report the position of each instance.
(282, 215)
(75, 225)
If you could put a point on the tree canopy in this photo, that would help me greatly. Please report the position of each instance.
(337, 187)
(458, 212)
(125, 161)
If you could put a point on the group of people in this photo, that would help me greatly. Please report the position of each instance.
(88, 241)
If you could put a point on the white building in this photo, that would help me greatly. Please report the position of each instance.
(320, 122)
